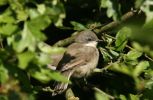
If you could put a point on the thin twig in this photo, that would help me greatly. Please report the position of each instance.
(116, 23)
(148, 57)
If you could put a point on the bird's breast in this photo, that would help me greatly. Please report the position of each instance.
(88, 67)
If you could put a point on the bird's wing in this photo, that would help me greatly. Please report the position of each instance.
(76, 55)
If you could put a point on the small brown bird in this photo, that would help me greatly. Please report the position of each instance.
(80, 58)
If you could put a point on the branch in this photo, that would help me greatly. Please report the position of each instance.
(115, 24)
(99, 30)
(65, 42)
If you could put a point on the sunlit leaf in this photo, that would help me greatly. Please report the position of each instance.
(113, 8)
(8, 29)
(140, 68)
(133, 55)
(3, 74)
(122, 68)
(45, 75)
(3, 2)
(100, 95)
(121, 38)
(50, 50)
(24, 59)
(24, 40)
(43, 59)
(138, 3)
(106, 55)
(78, 26)
(146, 9)
(134, 97)
(122, 97)
(41, 8)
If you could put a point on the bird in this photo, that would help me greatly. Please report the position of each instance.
(79, 60)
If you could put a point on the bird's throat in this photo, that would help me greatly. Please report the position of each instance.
(91, 44)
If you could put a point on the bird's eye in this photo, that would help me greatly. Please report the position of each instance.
(89, 39)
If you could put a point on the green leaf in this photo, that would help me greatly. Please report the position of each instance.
(33, 13)
(22, 15)
(24, 40)
(140, 68)
(106, 56)
(57, 13)
(43, 59)
(3, 2)
(78, 26)
(7, 17)
(122, 97)
(146, 9)
(113, 8)
(138, 3)
(122, 68)
(41, 8)
(134, 97)
(137, 46)
(58, 77)
(114, 53)
(8, 29)
(100, 95)
(50, 50)
(3, 74)
(121, 38)
(45, 75)
(133, 55)
(24, 59)
(39, 23)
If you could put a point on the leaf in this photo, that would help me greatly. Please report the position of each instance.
(78, 26)
(7, 17)
(100, 95)
(131, 97)
(134, 97)
(122, 97)
(8, 29)
(45, 75)
(140, 68)
(3, 2)
(41, 8)
(24, 59)
(3, 74)
(133, 55)
(57, 13)
(113, 8)
(106, 56)
(43, 59)
(39, 23)
(121, 38)
(114, 53)
(22, 15)
(137, 46)
(138, 3)
(33, 13)
(50, 50)
(122, 68)
(24, 40)
(146, 9)
(58, 77)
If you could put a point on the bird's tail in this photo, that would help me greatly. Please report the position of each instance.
(60, 87)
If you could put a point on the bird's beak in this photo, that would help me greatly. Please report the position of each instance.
(99, 40)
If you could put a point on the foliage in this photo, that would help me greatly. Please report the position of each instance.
(25, 55)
